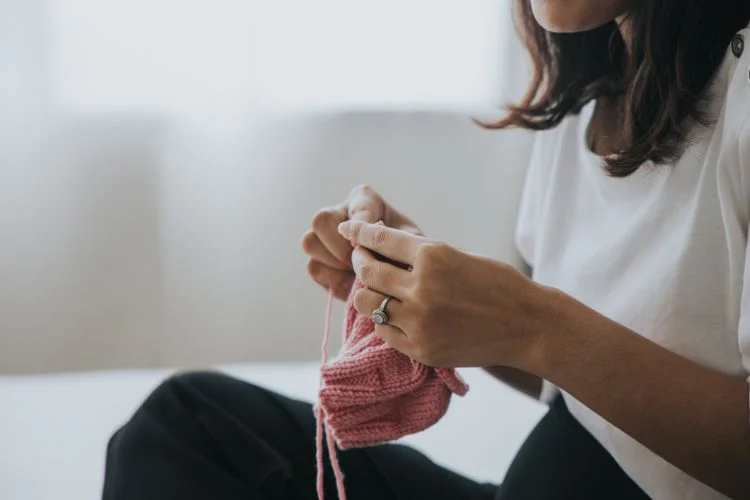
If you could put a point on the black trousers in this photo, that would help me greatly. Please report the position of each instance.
(209, 436)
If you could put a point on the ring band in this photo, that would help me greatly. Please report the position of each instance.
(379, 316)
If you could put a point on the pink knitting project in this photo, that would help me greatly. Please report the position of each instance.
(371, 393)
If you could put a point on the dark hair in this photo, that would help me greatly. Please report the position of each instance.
(676, 47)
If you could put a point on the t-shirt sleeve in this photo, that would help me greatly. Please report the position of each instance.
(744, 323)
(529, 211)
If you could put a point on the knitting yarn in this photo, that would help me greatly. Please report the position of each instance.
(371, 393)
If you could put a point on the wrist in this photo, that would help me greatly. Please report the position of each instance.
(559, 321)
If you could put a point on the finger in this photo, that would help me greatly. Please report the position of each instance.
(380, 276)
(365, 204)
(394, 337)
(316, 250)
(366, 301)
(324, 225)
(327, 277)
(392, 243)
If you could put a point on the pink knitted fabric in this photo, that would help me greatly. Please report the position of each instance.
(371, 393)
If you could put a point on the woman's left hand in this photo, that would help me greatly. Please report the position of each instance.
(450, 308)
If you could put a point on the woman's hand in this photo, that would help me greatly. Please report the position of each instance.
(451, 308)
(330, 253)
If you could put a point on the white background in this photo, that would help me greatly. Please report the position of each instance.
(159, 161)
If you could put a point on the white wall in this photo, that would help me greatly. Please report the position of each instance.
(154, 216)
(141, 245)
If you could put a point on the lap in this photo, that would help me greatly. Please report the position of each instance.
(207, 435)
(244, 438)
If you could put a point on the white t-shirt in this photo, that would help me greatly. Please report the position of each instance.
(663, 251)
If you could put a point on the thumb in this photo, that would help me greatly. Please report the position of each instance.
(364, 216)
(366, 206)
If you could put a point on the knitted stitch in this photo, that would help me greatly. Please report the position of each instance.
(371, 393)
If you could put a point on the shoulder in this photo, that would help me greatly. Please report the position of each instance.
(732, 82)
(738, 99)
(737, 102)
(731, 132)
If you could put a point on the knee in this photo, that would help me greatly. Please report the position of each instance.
(167, 418)
(180, 388)
(176, 396)
(166, 410)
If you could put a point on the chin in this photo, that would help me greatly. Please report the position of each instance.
(572, 16)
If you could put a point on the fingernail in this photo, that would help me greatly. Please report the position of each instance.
(355, 261)
(344, 229)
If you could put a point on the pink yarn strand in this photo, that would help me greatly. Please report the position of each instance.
(337, 472)
(320, 418)
(319, 449)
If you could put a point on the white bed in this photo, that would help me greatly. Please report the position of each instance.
(54, 428)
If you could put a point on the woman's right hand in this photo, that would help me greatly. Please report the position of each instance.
(330, 262)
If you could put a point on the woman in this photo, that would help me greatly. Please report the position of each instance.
(635, 220)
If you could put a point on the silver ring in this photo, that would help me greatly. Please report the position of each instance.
(379, 316)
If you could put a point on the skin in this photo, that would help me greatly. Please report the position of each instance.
(570, 16)
(329, 253)
(330, 263)
(521, 331)
(505, 318)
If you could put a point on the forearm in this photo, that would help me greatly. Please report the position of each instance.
(694, 417)
(522, 381)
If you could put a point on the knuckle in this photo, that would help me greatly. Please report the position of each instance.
(379, 237)
(342, 286)
(367, 272)
(314, 268)
(324, 219)
(354, 232)
(431, 253)
(308, 241)
(422, 254)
